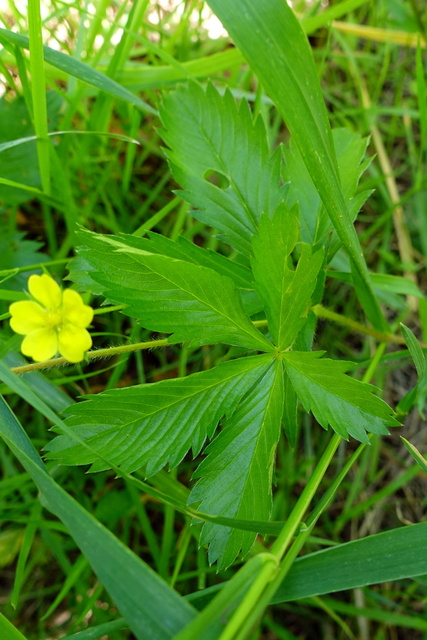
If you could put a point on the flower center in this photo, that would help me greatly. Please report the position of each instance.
(53, 319)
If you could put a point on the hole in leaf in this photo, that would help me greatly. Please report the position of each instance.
(217, 178)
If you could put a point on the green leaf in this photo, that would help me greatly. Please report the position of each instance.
(8, 631)
(335, 399)
(215, 616)
(100, 631)
(384, 557)
(136, 589)
(418, 457)
(397, 554)
(380, 281)
(168, 295)
(185, 250)
(155, 424)
(278, 51)
(416, 352)
(284, 292)
(79, 70)
(207, 134)
(235, 478)
(417, 395)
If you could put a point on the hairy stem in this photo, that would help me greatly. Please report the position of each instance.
(318, 310)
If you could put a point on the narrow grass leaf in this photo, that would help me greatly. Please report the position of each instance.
(394, 555)
(214, 617)
(418, 457)
(140, 77)
(417, 395)
(397, 554)
(38, 91)
(422, 96)
(380, 613)
(100, 631)
(416, 352)
(312, 23)
(19, 185)
(79, 70)
(8, 631)
(138, 592)
(16, 143)
(384, 282)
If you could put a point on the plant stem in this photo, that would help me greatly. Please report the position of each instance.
(38, 91)
(358, 327)
(250, 607)
(250, 615)
(96, 353)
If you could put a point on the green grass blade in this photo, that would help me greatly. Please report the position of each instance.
(16, 143)
(421, 94)
(143, 76)
(393, 555)
(380, 614)
(275, 46)
(214, 616)
(19, 185)
(8, 631)
(38, 91)
(418, 457)
(312, 23)
(416, 352)
(138, 592)
(397, 554)
(100, 631)
(79, 70)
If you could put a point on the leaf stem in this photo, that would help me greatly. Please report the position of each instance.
(38, 91)
(270, 572)
(96, 353)
(264, 588)
(326, 314)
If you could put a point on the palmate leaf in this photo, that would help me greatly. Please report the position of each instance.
(149, 426)
(335, 399)
(284, 292)
(169, 295)
(235, 478)
(182, 249)
(208, 134)
(273, 43)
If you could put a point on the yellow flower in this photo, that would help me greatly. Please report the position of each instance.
(54, 321)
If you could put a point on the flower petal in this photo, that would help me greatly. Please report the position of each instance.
(26, 316)
(45, 290)
(73, 342)
(40, 344)
(74, 310)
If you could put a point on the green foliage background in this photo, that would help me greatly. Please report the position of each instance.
(196, 189)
